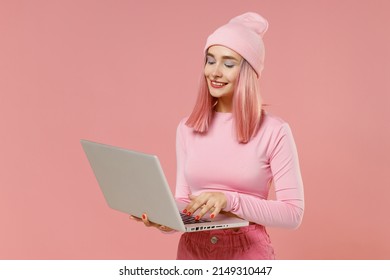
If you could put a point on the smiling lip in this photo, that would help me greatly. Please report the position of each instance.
(216, 84)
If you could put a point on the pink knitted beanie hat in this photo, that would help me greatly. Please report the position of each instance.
(243, 34)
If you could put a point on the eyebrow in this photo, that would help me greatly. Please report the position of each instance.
(223, 57)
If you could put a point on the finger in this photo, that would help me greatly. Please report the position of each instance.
(189, 208)
(148, 223)
(165, 228)
(216, 211)
(206, 208)
(212, 206)
(195, 204)
(146, 220)
(131, 217)
(185, 211)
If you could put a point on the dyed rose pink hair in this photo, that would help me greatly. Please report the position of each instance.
(247, 105)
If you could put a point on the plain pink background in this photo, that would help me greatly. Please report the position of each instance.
(126, 72)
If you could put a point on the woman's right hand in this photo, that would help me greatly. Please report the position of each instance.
(148, 223)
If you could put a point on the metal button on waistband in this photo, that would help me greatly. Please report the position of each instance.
(214, 239)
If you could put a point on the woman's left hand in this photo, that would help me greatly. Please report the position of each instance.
(212, 202)
(148, 223)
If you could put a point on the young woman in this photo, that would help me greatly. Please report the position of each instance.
(230, 151)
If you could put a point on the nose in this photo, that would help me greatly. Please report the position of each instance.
(216, 71)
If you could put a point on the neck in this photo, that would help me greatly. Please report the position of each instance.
(224, 105)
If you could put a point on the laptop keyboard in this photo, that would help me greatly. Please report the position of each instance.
(191, 220)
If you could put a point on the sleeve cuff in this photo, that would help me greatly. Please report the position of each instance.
(232, 199)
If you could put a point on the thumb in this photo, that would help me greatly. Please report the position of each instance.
(191, 196)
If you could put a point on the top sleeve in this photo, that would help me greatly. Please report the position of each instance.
(288, 207)
(182, 191)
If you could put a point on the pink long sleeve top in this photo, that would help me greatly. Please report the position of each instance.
(215, 161)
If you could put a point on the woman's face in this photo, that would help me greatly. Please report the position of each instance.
(221, 71)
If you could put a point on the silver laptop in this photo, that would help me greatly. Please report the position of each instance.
(134, 183)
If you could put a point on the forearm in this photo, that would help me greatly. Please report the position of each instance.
(273, 213)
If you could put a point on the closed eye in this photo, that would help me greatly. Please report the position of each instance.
(229, 65)
(210, 60)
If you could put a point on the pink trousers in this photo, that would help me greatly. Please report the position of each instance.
(246, 243)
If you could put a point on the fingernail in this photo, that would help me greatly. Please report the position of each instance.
(185, 211)
(143, 216)
(188, 213)
(197, 218)
(212, 216)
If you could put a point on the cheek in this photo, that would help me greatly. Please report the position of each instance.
(206, 71)
(233, 77)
